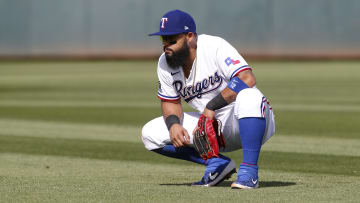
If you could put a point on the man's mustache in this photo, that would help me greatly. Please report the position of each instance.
(167, 49)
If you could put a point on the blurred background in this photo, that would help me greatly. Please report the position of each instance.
(119, 28)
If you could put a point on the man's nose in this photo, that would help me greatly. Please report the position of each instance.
(165, 45)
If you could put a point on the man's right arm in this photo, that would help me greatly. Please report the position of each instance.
(178, 134)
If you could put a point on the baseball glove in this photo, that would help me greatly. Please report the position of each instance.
(208, 139)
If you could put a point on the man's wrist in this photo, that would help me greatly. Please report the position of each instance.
(171, 120)
(209, 113)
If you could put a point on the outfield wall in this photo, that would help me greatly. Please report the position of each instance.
(120, 27)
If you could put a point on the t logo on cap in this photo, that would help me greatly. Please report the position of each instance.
(163, 20)
(180, 22)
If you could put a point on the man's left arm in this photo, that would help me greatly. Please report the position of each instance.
(243, 80)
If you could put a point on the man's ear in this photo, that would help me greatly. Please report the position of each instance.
(192, 39)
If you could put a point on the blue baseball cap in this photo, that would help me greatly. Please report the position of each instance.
(176, 22)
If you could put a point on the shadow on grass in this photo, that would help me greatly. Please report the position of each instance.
(275, 184)
(262, 184)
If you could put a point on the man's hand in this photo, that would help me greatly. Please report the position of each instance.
(179, 136)
(208, 114)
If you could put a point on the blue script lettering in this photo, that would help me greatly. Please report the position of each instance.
(202, 87)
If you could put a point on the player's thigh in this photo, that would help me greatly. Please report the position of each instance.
(156, 135)
(251, 102)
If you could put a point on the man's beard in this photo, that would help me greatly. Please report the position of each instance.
(179, 57)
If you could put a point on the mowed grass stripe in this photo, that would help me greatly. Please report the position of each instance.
(98, 115)
(313, 124)
(318, 124)
(313, 145)
(99, 103)
(281, 143)
(48, 129)
(130, 151)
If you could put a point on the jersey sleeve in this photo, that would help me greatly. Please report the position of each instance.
(166, 90)
(230, 61)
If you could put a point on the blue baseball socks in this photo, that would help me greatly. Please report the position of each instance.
(184, 153)
(252, 131)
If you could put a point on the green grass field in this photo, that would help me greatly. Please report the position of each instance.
(70, 132)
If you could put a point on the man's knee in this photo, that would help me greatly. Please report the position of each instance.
(146, 133)
(249, 103)
(154, 134)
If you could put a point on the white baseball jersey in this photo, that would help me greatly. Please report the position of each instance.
(215, 64)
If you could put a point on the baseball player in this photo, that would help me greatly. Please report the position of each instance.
(211, 76)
